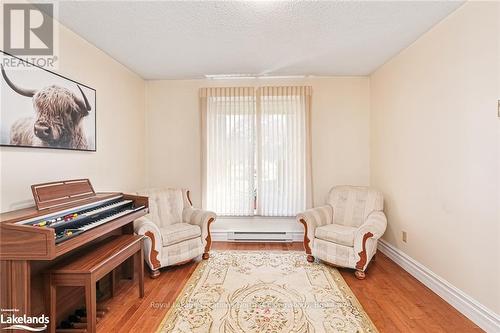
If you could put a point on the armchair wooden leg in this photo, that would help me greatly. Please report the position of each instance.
(307, 248)
(153, 256)
(360, 275)
(208, 239)
(154, 273)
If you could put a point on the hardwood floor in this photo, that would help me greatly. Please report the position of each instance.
(394, 300)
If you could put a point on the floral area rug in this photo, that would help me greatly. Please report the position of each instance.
(265, 292)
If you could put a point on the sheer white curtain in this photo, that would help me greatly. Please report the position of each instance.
(256, 143)
(228, 120)
(283, 150)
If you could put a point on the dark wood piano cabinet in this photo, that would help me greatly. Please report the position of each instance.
(26, 251)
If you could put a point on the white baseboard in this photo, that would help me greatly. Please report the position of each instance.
(468, 306)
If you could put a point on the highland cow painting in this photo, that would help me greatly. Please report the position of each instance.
(39, 108)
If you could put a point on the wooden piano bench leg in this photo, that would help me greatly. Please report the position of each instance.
(114, 278)
(90, 305)
(139, 262)
(52, 301)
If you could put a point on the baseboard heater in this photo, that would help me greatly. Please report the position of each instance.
(252, 236)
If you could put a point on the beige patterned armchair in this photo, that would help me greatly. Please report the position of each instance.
(345, 231)
(175, 231)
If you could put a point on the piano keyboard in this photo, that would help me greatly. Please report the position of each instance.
(82, 209)
(107, 207)
(94, 222)
(54, 223)
(108, 218)
(69, 223)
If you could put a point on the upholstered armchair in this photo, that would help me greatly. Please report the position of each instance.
(174, 231)
(344, 232)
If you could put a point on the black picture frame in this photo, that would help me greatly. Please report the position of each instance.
(4, 54)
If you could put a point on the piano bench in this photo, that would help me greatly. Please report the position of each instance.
(86, 270)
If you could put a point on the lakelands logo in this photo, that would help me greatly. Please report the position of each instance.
(24, 322)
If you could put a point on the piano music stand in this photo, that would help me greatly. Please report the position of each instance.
(49, 195)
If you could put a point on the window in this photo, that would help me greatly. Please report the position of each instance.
(256, 150)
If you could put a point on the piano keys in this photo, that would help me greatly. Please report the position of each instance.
(71, 222)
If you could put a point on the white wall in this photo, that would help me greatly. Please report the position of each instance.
(118, 163)
(340, 131)
(435, 149)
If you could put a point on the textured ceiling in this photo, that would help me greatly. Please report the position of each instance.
(172, 40)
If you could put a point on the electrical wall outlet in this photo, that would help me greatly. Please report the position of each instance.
(498, 109)
(405, 236)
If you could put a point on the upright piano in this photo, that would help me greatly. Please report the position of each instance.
(68, 218)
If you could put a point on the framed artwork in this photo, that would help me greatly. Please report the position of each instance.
(42, 109)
